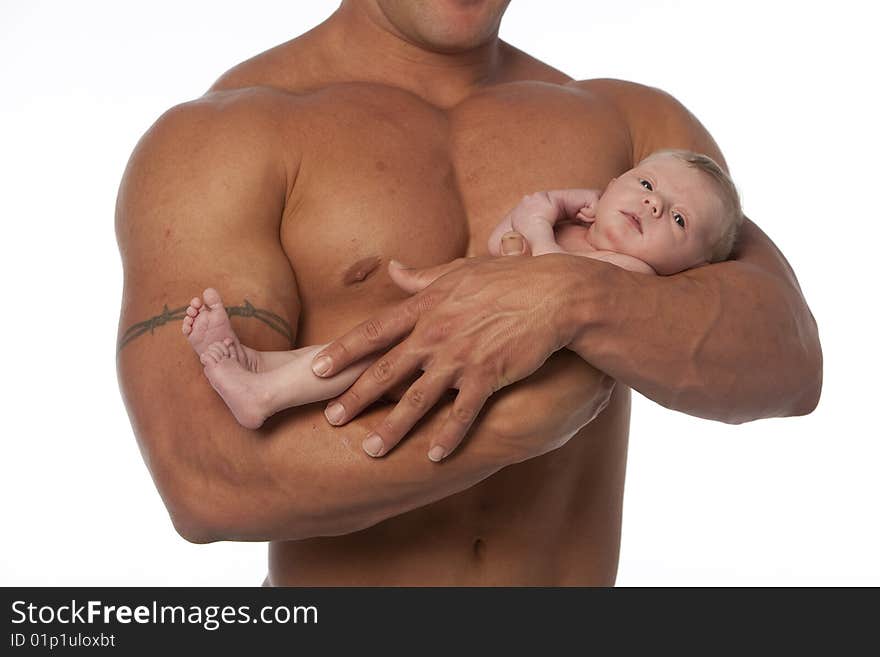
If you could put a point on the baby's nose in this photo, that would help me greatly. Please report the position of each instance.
(653, 204)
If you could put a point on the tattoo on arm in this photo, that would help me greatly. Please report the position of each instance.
(274, 321)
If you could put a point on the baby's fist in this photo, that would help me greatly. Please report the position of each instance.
(587, 213)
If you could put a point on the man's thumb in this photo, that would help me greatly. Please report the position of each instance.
(407, 278)
(512, 243)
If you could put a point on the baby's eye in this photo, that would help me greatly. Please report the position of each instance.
(677, 218)
(646, 184)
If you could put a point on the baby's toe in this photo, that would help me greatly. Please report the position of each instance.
(212, 297)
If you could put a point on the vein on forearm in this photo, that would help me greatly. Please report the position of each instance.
(725, 342)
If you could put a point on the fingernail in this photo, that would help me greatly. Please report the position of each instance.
(334, 413)
(437, 453)
(322, 365)
(399, 265)
(511, 245)
(373, 445)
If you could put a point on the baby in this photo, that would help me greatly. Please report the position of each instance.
(673, 211)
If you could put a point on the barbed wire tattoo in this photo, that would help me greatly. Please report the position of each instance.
(273, 321)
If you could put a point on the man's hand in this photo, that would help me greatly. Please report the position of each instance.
(483, 324)
(414, 280)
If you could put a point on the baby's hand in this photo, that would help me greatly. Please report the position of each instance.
(530, 218)
(590, 200)
(587, 213)
(536, 215)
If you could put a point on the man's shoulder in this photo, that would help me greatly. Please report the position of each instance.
(655, 118)
(281, 69)
(248, 117)
(641, 106)
(625, 93)
(234, 135)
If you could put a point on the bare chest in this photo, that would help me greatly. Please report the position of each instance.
(385, 175)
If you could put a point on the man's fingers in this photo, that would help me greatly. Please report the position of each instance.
(388, 371)
(418, 400)
(468, 404)
(412, 280)
(364, 339)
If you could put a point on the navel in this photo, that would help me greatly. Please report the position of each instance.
(360, 270)
(479, 548)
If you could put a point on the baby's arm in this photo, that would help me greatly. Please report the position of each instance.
(537, 214)
(622, 260)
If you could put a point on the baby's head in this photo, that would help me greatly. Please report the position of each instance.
(674, 210)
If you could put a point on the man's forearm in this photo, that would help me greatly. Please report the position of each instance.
(299, 477)
(733, 341)
(307, 478)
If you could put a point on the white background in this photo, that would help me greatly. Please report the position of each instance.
(785, 88)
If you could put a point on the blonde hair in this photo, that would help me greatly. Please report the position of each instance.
(733, 215)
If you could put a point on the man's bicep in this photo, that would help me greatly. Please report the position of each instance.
(199, 205)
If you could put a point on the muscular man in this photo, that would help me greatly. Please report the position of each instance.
(394, 127)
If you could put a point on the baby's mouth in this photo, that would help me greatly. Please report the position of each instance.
(634, 219)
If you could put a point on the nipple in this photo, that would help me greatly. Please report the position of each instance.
(360, 270)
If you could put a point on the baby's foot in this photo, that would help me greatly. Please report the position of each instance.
(206, 323)
(243, 391)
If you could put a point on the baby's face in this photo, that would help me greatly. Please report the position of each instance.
(662, 212)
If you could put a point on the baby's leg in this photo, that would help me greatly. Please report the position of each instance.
(254, 396)
(295, 384)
